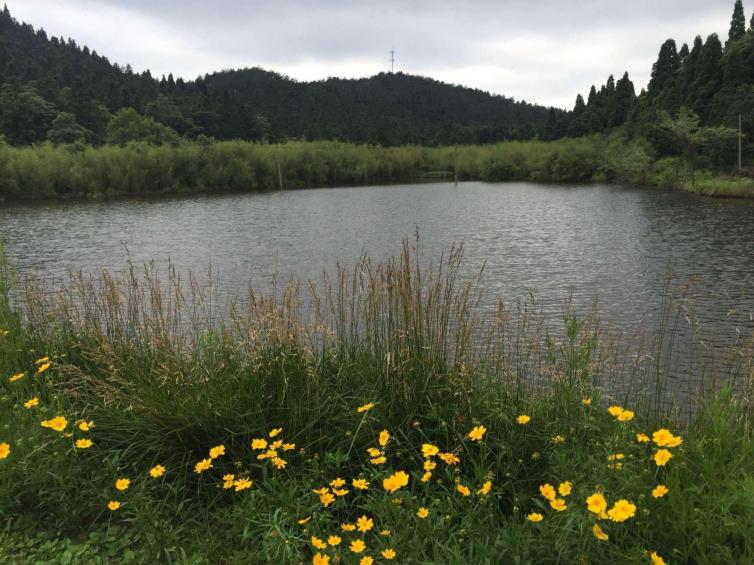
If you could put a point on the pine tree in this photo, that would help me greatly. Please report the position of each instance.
(737, 22)
(664, 69)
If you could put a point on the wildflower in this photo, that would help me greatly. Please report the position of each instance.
(122, 484)
(485, 490)
(395, 481)
(374, 452)
(599, 533)
(276, 444)
(558, 504)
(429, 450)
(381, 460)
(523, 419)
(84, 443)
(242, 484)
(659, 491)
(337, 482)
(426, 476)
(626, 416)
(449, 458)
(564, 488)
(334, 540)
(42, 361)
(322, 490)
(318, 543)
(31, 403)
(228, 481)
(615, 411)
(429, 465)
(596, 504)
(656, 559)
(642, 438)
(326, 499)
(86, 426)
(340, 491)
(464, 490)
(58, 423)
(385, 533)
(216, 451)
(622, 511)
(477, 433)
(289, 446)
(662, 457)
(366, 561)
(535, 517)
(348, 527)
(365, 408)
(422, 513)
(357, 546)
(364, 524)
(16, 377)
(279, 463)
(558, 439)
(4, 450)
(203, 465)
(586, 401)
(388, 553)
(259, 443)
(547, 491)
(113, 505)
(361, 484)
(662, 437)
(302, 521)
(320, 559)
(614, 456)
(43, 367)
(275, 432)
(157, 471)
(675, 441)
(384, 438)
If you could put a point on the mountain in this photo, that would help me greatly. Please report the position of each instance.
(44, 77)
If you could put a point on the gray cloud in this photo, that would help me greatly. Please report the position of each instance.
(543, 52)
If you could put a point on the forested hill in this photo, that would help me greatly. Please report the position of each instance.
(43, 77)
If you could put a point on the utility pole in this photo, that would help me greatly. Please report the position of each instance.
(392, 60)
(740, 135)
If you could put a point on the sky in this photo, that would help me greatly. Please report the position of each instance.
(544, 51)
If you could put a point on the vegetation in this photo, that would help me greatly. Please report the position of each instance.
(137, 427)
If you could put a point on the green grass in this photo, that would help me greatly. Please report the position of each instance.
(165, 378)
(724, 187)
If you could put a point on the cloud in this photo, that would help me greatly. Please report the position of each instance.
(544, 52)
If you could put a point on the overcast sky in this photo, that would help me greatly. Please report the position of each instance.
(543, 51)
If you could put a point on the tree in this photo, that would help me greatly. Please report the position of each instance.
(737, 22)
(128, 125)
(25, 116)
(665, 68)
(65, 129)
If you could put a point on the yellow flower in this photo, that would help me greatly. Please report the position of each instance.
(289, 446)
(86, 426)
(157, 471)
(374, 452)
(675, 441)
(337, 482)
(279, 463)
(422, 513)
(275, 432)
(662, 437)
(477, 433)
(429, 465)
(388, 553)
(535, 517)
(464, 490)
(659, 491)
(366, 560)
(228, 481)
(622, 511)
(547, 491)
(242, 484)
(656, 559)
(303, 521)
(662, 457)
(429, 450)
(42, 368)
(365, 408)
(586, 401)
(42, 360)
(558, 439)
(113, 505)
(259, 443)
(16, 377)
(384, 438)
(4, 450)
(276, 444)
(564, 488)
(357, 546)
(615, 411)
(31, 403)
(614, 456)
(84, 443)
(348, 527)
(326, 499)
(384, 533)
(558, 504)
(203, 465)
(395, 481)
(122, 484)
(320, 559)
(485, 490)
(364, 524)
(599, 533)
(361, 484)
(340, 491)
(625, 416)
(216, 451)
(523, 419)
(426, 476)
(596, 504)
(449, 458)
(58, 423)
(318, 543)
(378, 460)
(642, 438)
(334, 540)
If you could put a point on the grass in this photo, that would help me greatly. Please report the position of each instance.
(165, 378)
(725, 187)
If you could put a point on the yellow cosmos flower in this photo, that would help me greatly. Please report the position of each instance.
(113, 505)
(364, 524)
(426, 476)
(203, 465)
(675, 441)
(228, 481)
(374, 452)
(318, 543)
(659, 491)
(477, 433)
(340, 491)
(326, 499)
(622, 510)
(337, 482)
(259, 443)
(429, 450)
(564, 488)
(422, 513)
(122, 483)
(558, 504)
(276, 431)
(535, 517)
(662, 437)
(381, 460)
(361, 484)
(395, 481)
(586, 401)
(662, 457)
(366, 561)
(596, 504)
(84, 443)
(656, 559)
(449, 458)
(242, 484)
(429, 465)
(599, 533)
(157, 471)
(276, 444)
(216, 451)
(547, 491)
(388, 553)
(523, 419)
(615, 411)
(58, 423)
(320, 559)
(365, 407)
(332, 541)
(279, 463)
(348, 527)
(16, 377)
(31, 403)
(4, 450)
(289, 446)
(86, 426)
(357, 546)
(464, 490)
(42, 368)
(625, 416)
(486, 488)
(384, 438)
(642, 438)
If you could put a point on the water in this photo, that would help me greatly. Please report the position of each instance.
(556, 242)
